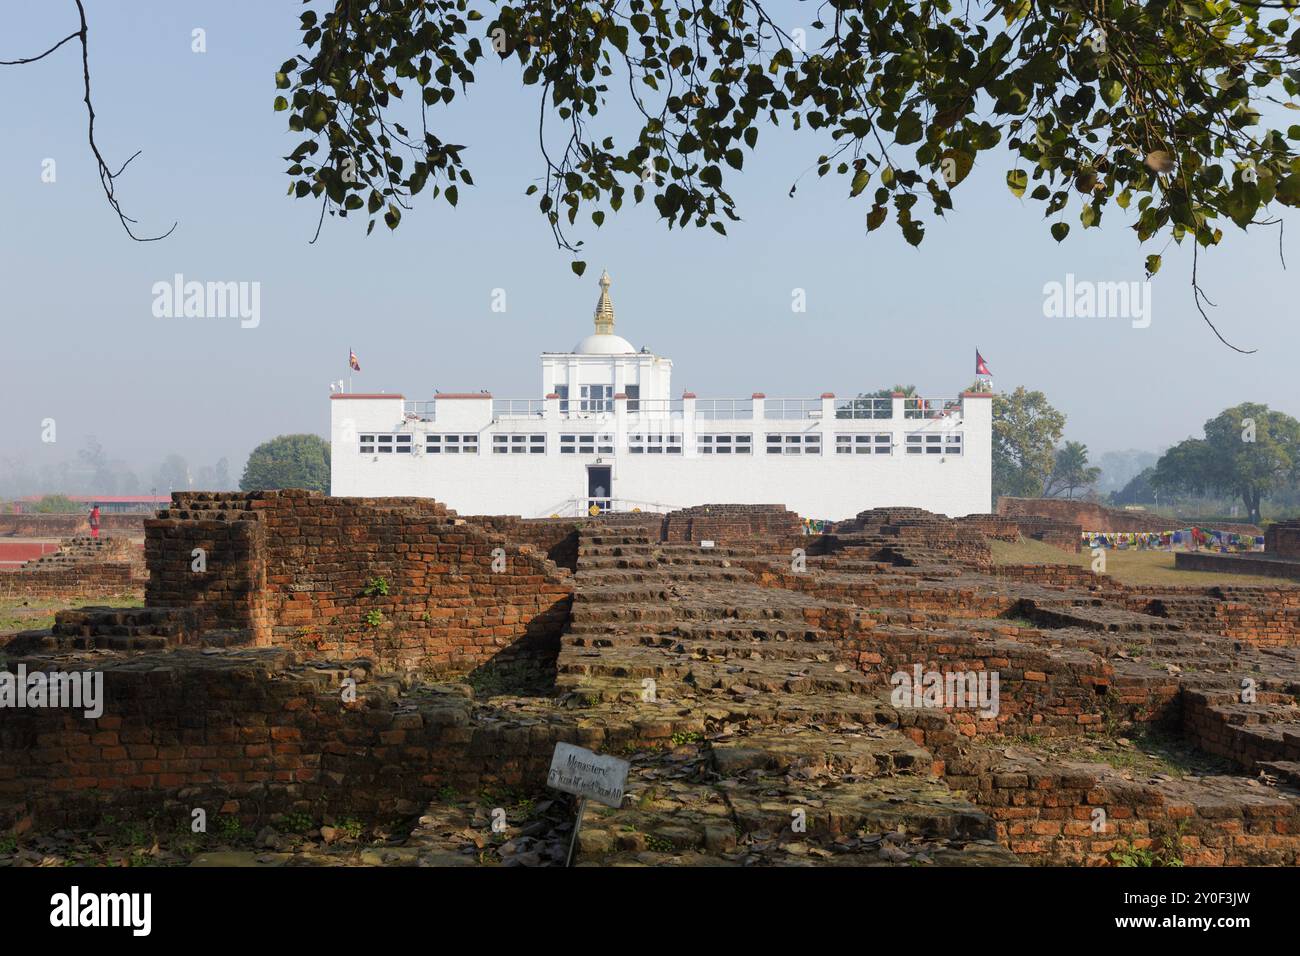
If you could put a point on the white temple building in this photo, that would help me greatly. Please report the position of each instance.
(607, 434)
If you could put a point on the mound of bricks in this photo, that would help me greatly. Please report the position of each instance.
(82, 566)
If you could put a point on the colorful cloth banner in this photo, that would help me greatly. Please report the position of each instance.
(1192, 539)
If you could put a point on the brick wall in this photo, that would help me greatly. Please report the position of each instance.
(292, 568)
(1235, 564)
(251, 733)
(1283, 539)
(81, 567)
(1088, 515)
(1263, 616)
(998, 527)
(763, 527)
(82, 581)
(554, 538)
(1045, 814)
(1060, 575)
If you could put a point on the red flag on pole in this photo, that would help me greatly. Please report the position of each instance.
(981, 367)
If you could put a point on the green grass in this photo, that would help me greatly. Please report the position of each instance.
(28, 614)
(1126, 567)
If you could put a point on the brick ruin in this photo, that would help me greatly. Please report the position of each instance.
(83, 566)
(749, 683)
(1091, 516)
(1282, 538)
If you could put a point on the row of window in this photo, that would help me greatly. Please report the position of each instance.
(778, 443)
(598, 398)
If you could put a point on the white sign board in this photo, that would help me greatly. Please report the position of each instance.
(589, 775)
(706, 544)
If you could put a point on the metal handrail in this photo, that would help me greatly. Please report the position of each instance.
(869, 408)
(931, 407)
(422, 411)
(723, 409)
(518, 407)
(787, 409)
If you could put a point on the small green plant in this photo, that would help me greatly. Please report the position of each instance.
(352, 828)
(297, 822)
(131, 834)
(374, 618)
(659, 844)
(683, 737)
(230, 828)
(376, 587)
(8, 843)
(1168, 853)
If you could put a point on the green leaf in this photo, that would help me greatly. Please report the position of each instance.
(860, 181)
(1017, 181)
(1060, 230)
(954, 166)
(1153, 265)
(281, 104)
(578, 267)
(1288, 190)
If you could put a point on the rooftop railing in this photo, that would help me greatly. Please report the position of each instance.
(792, 409)
(930, 408)
(864, 408)
(656, 407)
(724, 409)
(518, 407)
(420, 411)
(714, 409)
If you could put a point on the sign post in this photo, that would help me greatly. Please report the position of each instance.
(573, 840)
(587, 775)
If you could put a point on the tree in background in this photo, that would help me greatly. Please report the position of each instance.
(99, 470)
(1026, 429)
(173, 474)
(288, 461)
(1070, 471)
(215, 477)
(58, 504)
(1118, 468)
(1139, 490)
(1248, 452)
(866, 406)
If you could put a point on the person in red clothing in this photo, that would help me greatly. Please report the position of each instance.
(94, 521)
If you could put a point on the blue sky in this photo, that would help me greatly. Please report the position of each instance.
(85, 349)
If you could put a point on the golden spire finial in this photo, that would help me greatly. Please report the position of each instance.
(604, 307)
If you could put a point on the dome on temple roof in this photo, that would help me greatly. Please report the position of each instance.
(604, 341)
(604, 344)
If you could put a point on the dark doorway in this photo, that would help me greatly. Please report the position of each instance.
(600, 490)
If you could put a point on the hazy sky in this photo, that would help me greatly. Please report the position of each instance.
(84, 348)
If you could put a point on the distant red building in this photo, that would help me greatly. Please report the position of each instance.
(115, 504)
